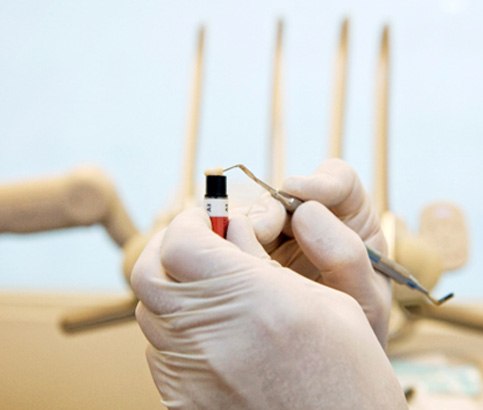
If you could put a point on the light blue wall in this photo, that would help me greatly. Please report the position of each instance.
(107, 83)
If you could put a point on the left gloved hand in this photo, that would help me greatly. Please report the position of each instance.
(232, 329)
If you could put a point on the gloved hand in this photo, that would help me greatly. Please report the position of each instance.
(231, 329)
(324, 239)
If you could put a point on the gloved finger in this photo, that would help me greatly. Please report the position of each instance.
(331, 246)
(192, 252)
(340, 255)
(163, 366)
(154, 327)
(173, 331)
(149, 281)
(268, 217)
(335, 185)
(238, 210)
(241, 233)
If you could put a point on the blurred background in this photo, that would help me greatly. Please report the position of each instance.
(107, 83)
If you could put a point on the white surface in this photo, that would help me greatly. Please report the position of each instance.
(107, 83)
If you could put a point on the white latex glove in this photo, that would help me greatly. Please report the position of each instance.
(324, 239)
(232, 329)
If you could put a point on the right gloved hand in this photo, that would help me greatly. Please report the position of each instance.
(324, 239)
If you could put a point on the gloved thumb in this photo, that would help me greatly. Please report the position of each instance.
(240, 232)
(337, 251)
(335, 185)
(268, 217)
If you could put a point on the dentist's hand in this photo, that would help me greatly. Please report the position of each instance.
(231, 329)
(324, 239)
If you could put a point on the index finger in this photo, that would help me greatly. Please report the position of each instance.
(335, 185)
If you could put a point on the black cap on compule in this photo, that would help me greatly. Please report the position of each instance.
(216, 186)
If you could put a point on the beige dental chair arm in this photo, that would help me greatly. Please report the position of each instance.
(466, 316)
(83, 197)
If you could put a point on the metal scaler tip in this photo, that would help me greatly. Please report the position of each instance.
(440, 301)
(414, 284)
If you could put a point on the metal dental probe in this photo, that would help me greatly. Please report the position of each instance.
(379, 262)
